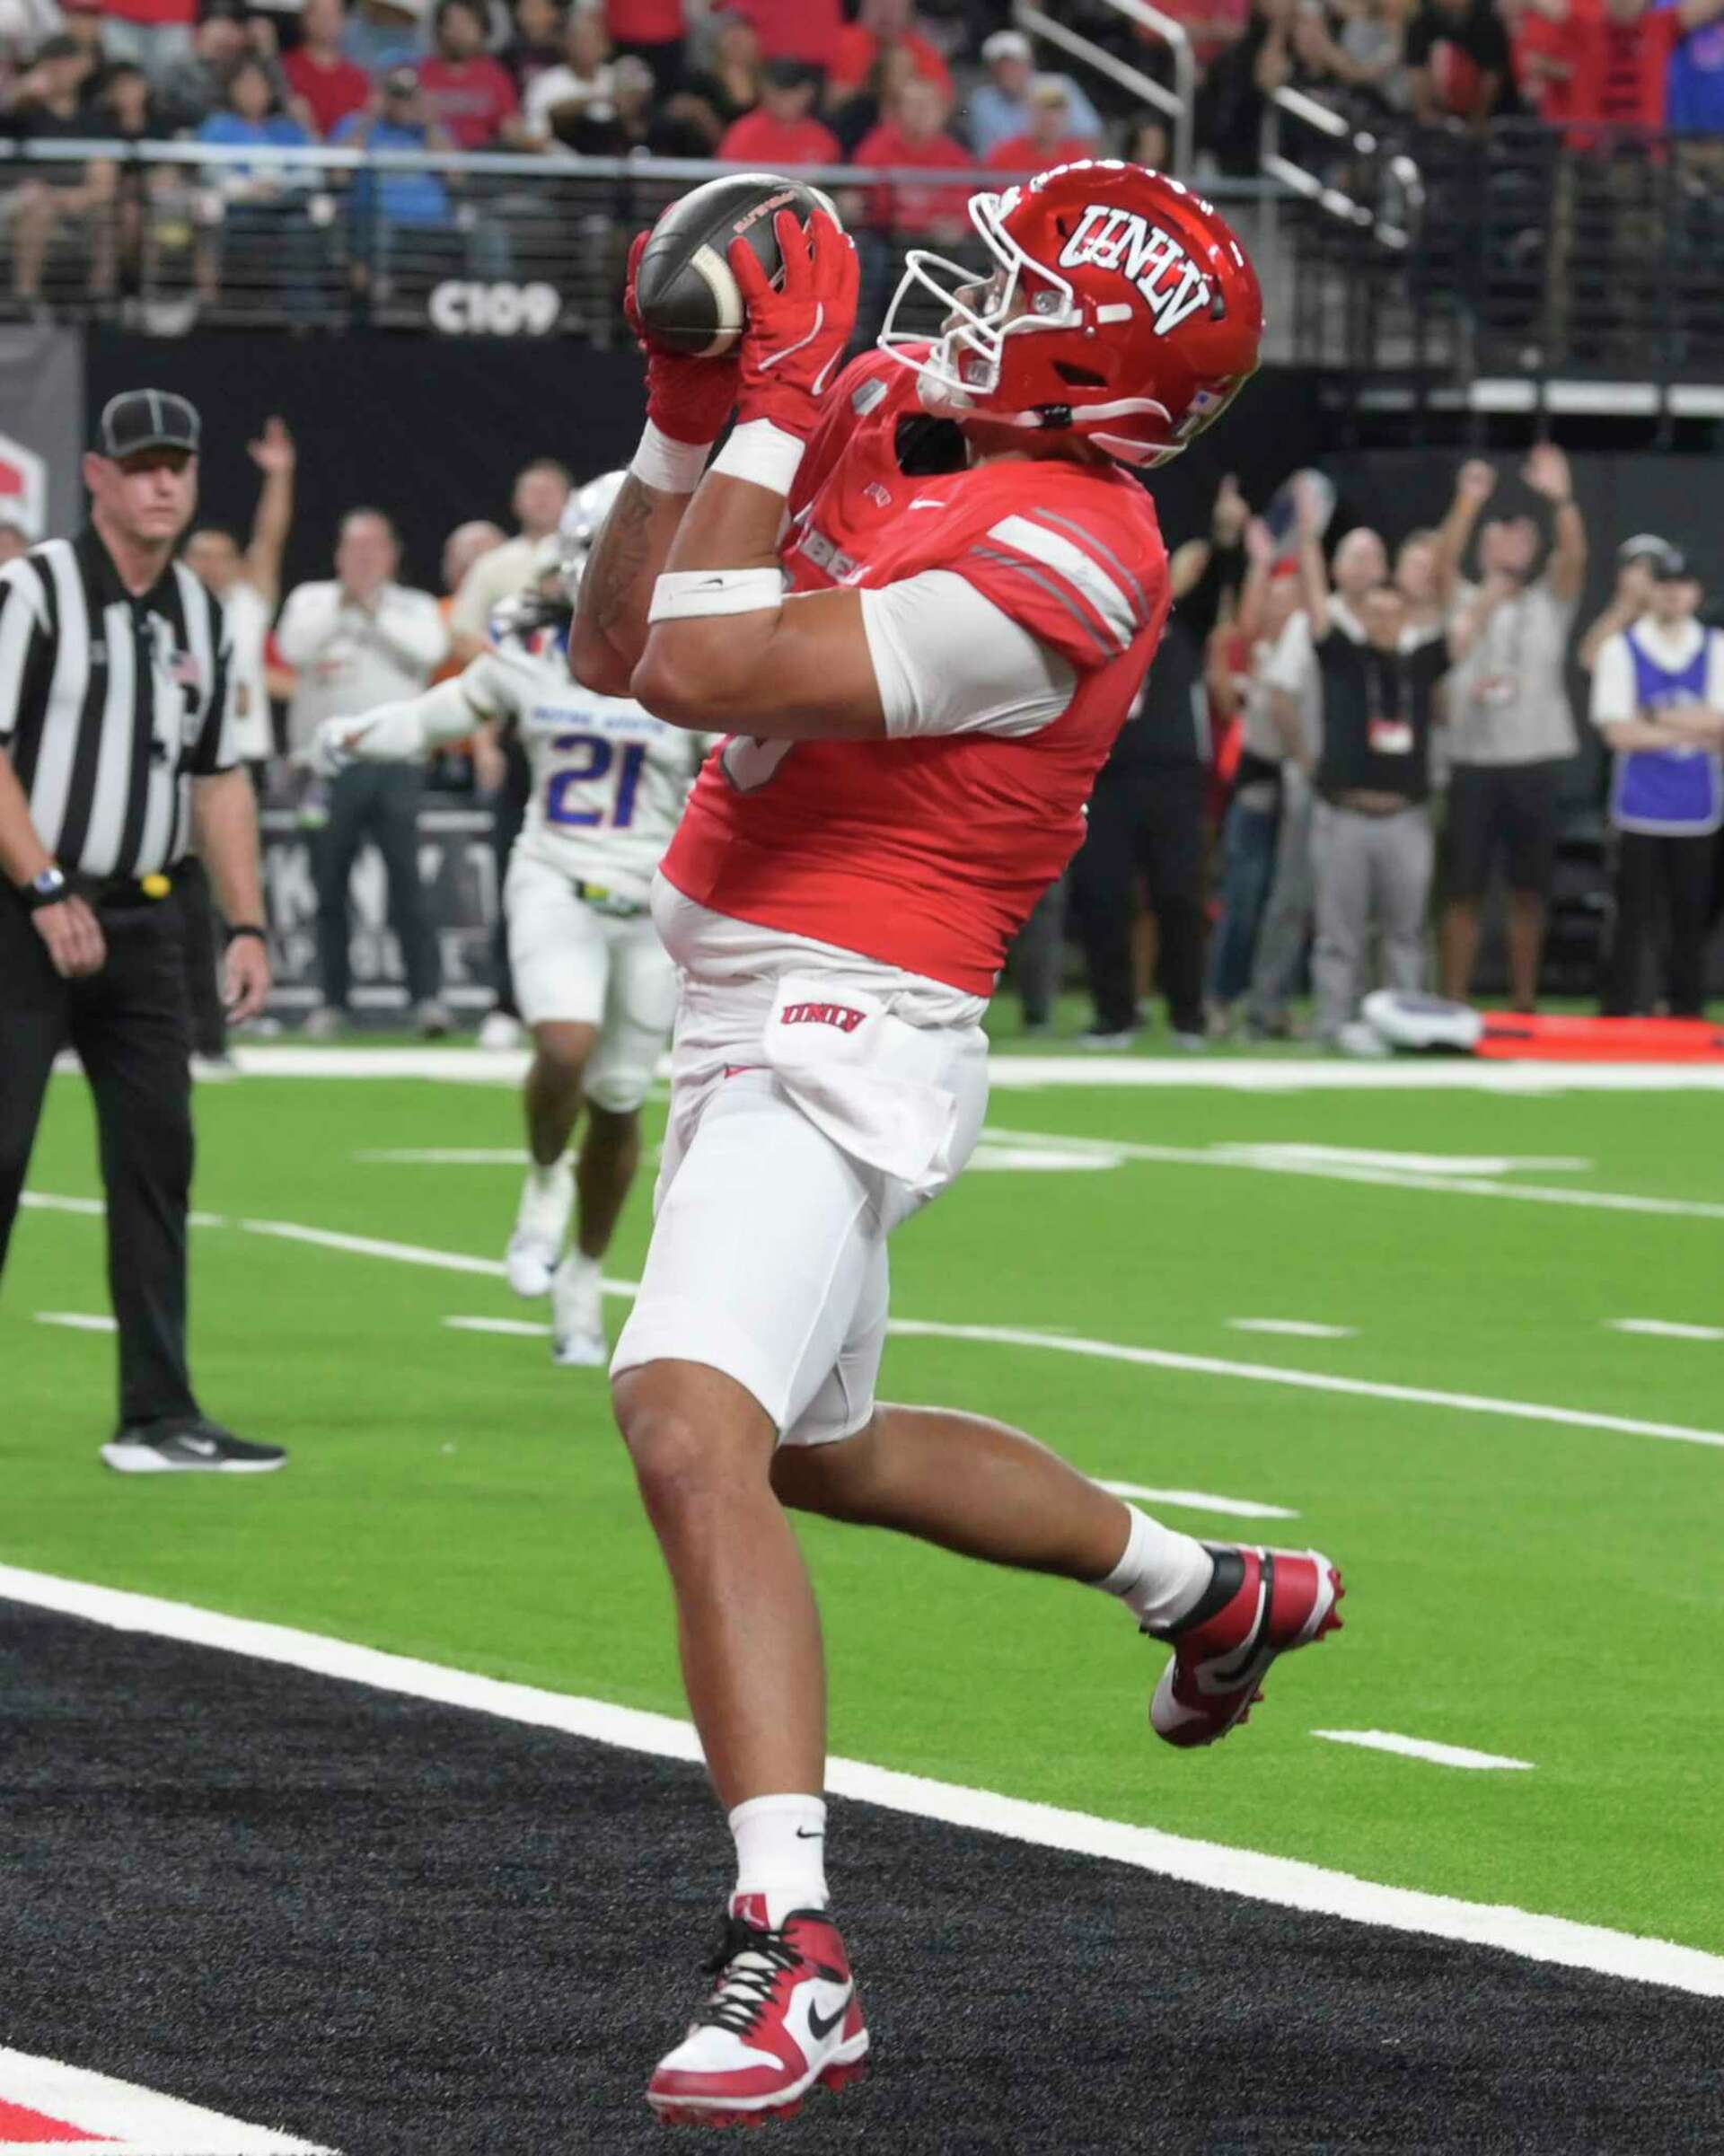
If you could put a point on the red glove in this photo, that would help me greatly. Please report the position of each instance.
(796, 338)
(688, 399)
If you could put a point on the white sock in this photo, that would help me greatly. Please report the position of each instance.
(1162, 1574)
(544, 1180)
(781, 1853)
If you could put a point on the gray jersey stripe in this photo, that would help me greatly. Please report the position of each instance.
(1146, 612)
(1021, 567)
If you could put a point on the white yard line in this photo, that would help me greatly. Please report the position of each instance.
(1334, 1164)
(1012, 1336)
(449, 1157)
(1423, 1748)
(1033, 1073)
(1294, 1328)
(512, 1328)
(996, 1154)
(76, 1321)
(1262, 1373)
(1664, 1328)
(124, 2120)
(374, 1246)
(95, 1209)
(1200, 1500)
(1281, 1880)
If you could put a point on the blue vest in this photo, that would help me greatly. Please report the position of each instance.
(1671, 793)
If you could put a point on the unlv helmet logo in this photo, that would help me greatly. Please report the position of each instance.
(1146, 256)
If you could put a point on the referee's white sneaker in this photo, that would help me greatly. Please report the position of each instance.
(541, 1228)
(188, 1445)
(577, 1336)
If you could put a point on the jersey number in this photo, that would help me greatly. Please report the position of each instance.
(600, 755)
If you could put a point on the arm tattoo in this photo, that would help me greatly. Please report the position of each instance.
(620, 554)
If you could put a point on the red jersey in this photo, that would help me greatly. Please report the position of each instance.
(856, 52)
(914, 206)
(758, 139)
(1621, 70)
(930, 853)
(1023, 153)
(795, 30)
(331, 89)
(644, 21)
(469, 100)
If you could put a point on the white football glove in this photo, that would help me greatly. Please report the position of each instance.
(333, 747)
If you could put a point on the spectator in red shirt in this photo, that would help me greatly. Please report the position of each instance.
(1620, 56)
(1544, 64)
(782, 130)
(795, 30)
(654, 31)
(861, 45)
(915, 137)
(1049, 140)
(468, 94)
(320, 74)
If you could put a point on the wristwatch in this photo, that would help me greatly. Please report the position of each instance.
(46, 889)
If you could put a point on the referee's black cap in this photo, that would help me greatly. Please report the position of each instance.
(147, 419)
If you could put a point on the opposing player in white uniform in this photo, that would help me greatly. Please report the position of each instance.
(594, 984)
(978, 583)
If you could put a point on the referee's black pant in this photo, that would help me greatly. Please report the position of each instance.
(1145, 822)
(131, 1028)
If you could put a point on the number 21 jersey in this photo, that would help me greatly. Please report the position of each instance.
(610, 781)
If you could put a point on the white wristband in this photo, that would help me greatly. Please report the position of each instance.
(686, 594)
(763, 453)
(668, 466)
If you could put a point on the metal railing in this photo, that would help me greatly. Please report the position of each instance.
(1394, 173)
(1508, 269)
(1350, 240)
(1179, 103)
(163, 235)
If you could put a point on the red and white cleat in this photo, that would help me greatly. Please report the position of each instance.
(1261, 1603)
(783, 2018)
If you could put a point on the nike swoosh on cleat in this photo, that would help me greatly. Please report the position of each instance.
(205, 1447)
(820, 2025)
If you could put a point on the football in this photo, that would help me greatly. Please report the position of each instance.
(689, 299)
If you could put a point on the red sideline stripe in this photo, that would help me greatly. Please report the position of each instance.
(17, 2124)
(1571, 1037)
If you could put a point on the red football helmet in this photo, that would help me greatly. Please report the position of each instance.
(1123, 306)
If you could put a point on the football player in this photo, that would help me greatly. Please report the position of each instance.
(977, 584)
(592, 978)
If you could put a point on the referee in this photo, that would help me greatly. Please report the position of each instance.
(116, 753)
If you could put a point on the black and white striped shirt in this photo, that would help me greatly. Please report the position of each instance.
(111, 705)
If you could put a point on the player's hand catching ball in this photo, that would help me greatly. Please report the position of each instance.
(689, 400)
(797, 334)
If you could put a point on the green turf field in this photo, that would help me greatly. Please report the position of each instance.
(1535, 1588)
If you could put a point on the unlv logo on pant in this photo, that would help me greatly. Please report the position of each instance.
(1172, 285)
(822, 1014)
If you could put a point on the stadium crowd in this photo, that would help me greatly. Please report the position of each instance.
(775, 83)
(1341, 753)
